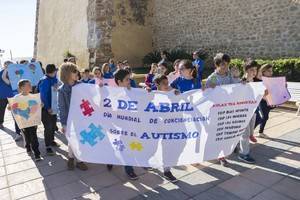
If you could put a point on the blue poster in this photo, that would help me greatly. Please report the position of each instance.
(30, 71)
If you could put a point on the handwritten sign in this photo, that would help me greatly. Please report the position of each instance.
(31, 71)
(26, 110)
(277, 90)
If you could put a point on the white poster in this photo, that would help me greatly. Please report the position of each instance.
(26, 110)
(114, 125)
(54, 100)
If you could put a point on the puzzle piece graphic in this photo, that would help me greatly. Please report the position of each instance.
(22, 113)
(119, 145)
(87, 109)
(136, 146)
(92, 136)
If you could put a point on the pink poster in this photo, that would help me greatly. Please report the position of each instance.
(277, 90)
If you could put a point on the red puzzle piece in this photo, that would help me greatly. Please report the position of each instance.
(87, 109)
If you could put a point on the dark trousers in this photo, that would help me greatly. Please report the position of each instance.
(265, 110)
(3, 104)
(31, 140)
(49, 122)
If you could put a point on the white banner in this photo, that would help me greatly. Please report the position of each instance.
(26, 110)
(133, 127)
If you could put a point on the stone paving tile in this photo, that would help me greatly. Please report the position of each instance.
(3, 182)
(196, 182)
(270, 195)
(39, 196)
(262, 176)
(4, 194)
(23, 176)
(216, 193)
(27, 189)
(289, 187)
(242, 187)
(277, 167)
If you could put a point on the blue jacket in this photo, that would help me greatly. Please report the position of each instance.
(184, 85)
(44, 87)
(108, 75)
(64, 99)
(5, 90)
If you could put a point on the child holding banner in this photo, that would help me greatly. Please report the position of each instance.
(150, 75)
(45, 86)
(189, 78)
(68, 73)
(264, 109)
(122, 79)
(105, 69)
(32, 144)
(250, 69)
(132, 82)
(85, 76)
(97, 76)
(220, 76)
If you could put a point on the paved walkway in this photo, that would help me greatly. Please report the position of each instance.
(275, 176)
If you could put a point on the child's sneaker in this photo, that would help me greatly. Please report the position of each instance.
(82, 166)
(109, 167)
(132, 176)
(223, 162)
(246, 158)
(70, 164)
(252, 139)
(50, 152)
(38, 158)
(169, 176)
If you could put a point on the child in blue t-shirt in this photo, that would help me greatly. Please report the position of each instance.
(85, 78)
(122, 79)
(132, 81)
(105, 69)
(97, 76)
(198, 63)
(45, 86)
(189, 78)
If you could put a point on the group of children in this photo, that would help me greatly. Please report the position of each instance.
(187, 75)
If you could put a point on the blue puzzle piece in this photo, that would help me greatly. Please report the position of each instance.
(92, 136)
(119, 145)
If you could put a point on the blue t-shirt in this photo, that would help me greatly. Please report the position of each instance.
(184, 85)
(108, 75)
(85, 81)
(133, 83)
(112, 67)
(5, 90)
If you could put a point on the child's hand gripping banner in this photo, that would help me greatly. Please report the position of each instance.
(31, 71)
(26, 110)
(114, 125)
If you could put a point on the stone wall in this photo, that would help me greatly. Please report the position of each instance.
(62, 26)
(242, 28)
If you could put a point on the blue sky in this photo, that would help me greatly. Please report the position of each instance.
(17, 27)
